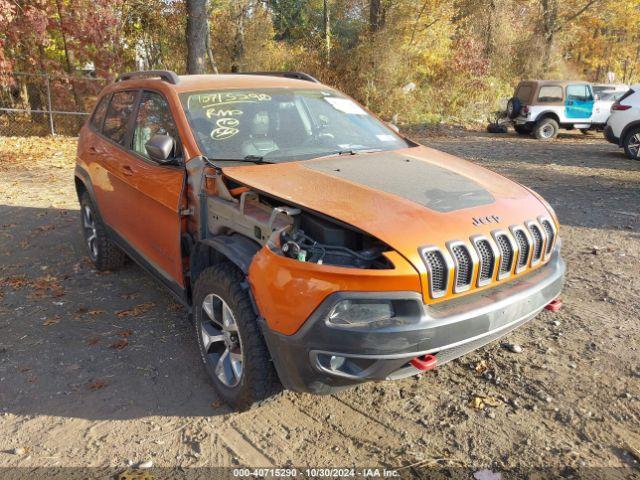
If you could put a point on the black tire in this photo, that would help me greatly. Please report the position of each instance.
(546, 129)
(513, 107)
(522, 130)
(258, 380)
(104, 254)
(631, 143)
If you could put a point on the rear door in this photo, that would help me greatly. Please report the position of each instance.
(107, 150)
(151, 193)
(579, 101)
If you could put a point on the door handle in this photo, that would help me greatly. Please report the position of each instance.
(127, 170)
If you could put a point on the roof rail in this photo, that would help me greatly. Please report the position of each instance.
(296, 75)
(166, 75)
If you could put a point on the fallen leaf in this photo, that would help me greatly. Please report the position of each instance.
(479, 402)
(93, 340)
(51, 321)
(216, 404)
(136, 311)
(125, 333)
(97, 385)
(120, 344)
(482, 366)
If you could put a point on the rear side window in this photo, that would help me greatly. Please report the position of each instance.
(99, 112)
(117, 117)
(524, 93)
(580, 93)
(154, 118)
(550, 93)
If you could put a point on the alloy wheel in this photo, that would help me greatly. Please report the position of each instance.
(634, 145)
(221, 340)
(90, 232)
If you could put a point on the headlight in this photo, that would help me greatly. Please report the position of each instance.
(374, 313)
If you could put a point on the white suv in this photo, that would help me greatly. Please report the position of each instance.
(623, 126)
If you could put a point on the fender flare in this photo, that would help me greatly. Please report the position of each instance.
(625, 130)
(82, 176)
(235, 248)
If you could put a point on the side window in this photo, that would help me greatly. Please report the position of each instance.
(99, 112)
(581, 93)
(154, 118)
(524, 93)
(550, 93)
(115, 123)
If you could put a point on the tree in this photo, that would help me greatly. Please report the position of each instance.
(197, 33)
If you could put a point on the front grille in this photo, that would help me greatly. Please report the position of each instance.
(506, 253)
(546, 224)
(536, 235)
(487, 260)
(523, 246)
(464, 266)
(437, 271)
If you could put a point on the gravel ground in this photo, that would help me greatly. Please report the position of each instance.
(101, 369)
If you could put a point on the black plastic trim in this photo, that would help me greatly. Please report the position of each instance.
(165, 75)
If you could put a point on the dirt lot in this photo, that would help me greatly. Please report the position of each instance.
(101, 369)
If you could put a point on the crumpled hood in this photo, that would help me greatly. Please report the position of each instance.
(407, 198)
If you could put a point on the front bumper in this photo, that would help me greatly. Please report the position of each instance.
(448, 330)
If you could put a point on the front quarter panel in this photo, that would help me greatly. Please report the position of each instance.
(287, 291)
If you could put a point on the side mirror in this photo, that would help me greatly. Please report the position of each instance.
(393, 127)
(160, 148)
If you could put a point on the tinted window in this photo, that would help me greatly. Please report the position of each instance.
(154, 118)
(550, 93)
(580, 93)
(98, 113)
(115, 123)
(524, 93)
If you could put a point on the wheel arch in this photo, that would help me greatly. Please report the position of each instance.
(235, 248)
(625, 131)
(548, 114)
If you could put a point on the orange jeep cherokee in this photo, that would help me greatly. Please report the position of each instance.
(313, 246)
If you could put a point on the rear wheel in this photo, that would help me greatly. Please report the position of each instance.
(546, 129)
(104, 254)
(232, 347)
(631, 144)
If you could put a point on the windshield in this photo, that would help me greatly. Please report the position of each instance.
(280, 125)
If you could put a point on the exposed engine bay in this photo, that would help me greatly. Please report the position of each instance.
(293, 232)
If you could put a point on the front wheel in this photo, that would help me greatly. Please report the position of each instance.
(631, 144)
(232, 347)
(546, 129)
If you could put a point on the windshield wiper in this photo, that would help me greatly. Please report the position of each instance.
(248, 159)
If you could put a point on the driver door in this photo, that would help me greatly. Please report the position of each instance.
(153, 192)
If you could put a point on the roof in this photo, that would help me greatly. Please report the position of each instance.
(192, 83)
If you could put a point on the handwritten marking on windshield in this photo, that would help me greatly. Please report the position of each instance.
(225, 128)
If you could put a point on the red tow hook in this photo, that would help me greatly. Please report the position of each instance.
(554, 305)
(425, 362)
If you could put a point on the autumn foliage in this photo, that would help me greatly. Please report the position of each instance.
(411, 60)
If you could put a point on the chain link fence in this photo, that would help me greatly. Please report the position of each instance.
(41, 104)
